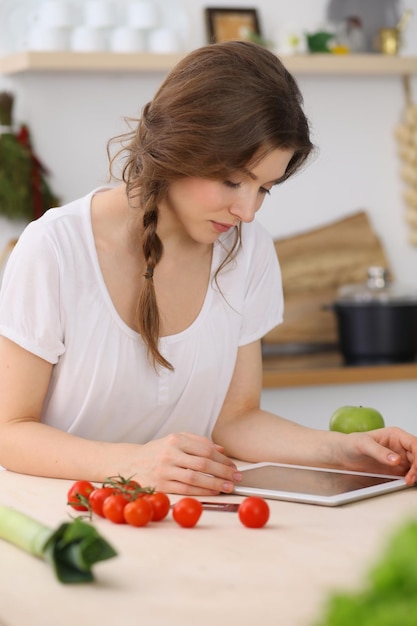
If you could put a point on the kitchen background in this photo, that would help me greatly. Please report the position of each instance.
(71, 115)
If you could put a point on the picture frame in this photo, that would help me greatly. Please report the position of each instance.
(232, 24)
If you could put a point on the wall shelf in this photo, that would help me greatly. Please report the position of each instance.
(319, 64)
(86, 62)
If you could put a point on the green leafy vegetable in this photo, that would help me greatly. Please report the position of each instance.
(72, 549)
(389, 597)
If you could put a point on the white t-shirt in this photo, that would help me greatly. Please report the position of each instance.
(54, 303)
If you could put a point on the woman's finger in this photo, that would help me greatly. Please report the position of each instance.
(201, 482)
(198, 446)
(369, 454)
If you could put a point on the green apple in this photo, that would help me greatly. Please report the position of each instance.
(350, 419)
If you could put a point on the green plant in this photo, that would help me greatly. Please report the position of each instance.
(24, 189)
(389, 595)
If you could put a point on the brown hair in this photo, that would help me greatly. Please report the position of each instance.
(219, 107)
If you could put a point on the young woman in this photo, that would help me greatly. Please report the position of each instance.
(131, 319)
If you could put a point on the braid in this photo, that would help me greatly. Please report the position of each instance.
(147, 318)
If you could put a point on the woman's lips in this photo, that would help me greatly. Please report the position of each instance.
(221, 228)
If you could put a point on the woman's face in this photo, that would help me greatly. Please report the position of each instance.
(204, 208)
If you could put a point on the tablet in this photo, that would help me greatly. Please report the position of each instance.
(313, 485)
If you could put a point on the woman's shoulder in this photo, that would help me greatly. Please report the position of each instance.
(77, 208)
(73, 216)
(255, 254)
(256, 239)
(56, 233)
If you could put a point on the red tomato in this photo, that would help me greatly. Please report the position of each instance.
(97, 497)
(113, 507)
(125, 486)
(138, 512)
(78, 495)
(253, 512)
(160, 505)
(187, 511)
(129, 484)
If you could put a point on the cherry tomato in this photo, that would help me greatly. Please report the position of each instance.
(126, 486)
(129, 485)
(160, 505)
(113, 507)
(187, 511)
(138, 512)
(78, 495)
(97, 497)
(253, 512)
(131, 490)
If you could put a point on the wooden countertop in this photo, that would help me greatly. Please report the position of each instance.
(327, 368)
(216, 573)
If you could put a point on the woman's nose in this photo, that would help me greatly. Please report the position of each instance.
(244, 209)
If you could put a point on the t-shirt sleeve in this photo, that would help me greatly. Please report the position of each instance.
(264, 302)
(30, 295)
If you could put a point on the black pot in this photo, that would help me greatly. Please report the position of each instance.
(372, 334)
(377, 322)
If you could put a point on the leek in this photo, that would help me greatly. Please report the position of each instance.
(72, 549)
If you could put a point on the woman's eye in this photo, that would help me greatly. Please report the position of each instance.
(264, 191)
(231, 184)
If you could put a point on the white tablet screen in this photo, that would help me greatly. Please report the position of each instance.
(305, 484)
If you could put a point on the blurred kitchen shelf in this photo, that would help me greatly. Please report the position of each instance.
(320, 64)
(327, 368)
(86, 62)
(351, 64)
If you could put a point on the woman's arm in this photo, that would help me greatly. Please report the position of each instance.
(248, 433)
(180, 463)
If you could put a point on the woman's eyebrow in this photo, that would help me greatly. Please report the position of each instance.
(253, 176)
(247, 172)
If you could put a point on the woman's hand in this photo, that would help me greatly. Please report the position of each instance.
(385, 450)
(183, 463)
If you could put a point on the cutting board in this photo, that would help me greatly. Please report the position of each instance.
(314, 265)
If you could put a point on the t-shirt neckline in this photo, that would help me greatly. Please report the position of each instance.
(215, 261)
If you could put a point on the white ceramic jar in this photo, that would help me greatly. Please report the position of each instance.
(55, 14)
(99, 14)
(88, 39)
(48, 39)
(142, 15)
(125, 39)
(163, 41)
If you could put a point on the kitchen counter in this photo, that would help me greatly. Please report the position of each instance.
(327, 368)
(216, 573)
